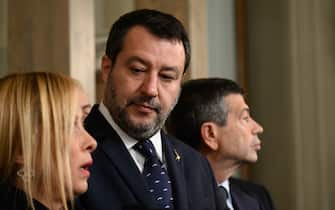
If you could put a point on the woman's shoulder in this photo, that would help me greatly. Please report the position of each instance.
(9, 196)
(12, 198)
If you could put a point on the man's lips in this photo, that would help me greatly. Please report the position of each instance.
(146, 107)
(257, 146)
(145, 104)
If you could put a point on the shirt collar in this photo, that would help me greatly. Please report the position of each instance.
(225, 184)
(128, 140)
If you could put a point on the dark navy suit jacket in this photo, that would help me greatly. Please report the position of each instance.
(117, 184)
(249, 196)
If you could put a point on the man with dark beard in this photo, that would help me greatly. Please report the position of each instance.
(136, 165)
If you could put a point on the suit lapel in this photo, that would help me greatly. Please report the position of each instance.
(175, 167)
(242, 200)
(118, 155)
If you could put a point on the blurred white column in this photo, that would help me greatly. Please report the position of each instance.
(53, 36)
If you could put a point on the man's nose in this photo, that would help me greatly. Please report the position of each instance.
(150, 85)
(258, 129)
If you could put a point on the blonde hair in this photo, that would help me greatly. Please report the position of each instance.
(37, 114)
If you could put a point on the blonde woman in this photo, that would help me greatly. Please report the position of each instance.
(45, 151)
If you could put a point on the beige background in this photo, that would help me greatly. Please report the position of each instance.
(290, 65)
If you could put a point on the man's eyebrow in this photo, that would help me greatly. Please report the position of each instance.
(170, 68)
(136, 59)
(141, 60)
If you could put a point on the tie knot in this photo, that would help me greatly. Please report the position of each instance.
(146, 148)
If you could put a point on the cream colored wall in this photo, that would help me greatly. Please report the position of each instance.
(106, 13)
(198, 32)
(221, 39)
(3, 37)
(292, 82)
(82, 44)
(52, 36)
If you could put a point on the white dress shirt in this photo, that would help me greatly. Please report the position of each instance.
(130, 142)
(225, 184)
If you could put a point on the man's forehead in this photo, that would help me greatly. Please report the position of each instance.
(234, 98)
(236, 102)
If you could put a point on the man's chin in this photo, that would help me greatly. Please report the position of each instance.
(143, 124)
(142, 130)
(249, 160)
(252, 159)
(139, 126)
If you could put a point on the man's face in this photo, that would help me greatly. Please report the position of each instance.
(239, 137)
(144, 83)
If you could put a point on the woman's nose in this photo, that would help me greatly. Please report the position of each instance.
(91, 142)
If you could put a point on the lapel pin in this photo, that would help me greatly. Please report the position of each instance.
(177, 155)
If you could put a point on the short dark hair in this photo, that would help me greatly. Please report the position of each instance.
(158, 23)
(200, 101)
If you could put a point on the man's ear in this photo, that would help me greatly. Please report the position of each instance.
(106, 65)
(209, 135)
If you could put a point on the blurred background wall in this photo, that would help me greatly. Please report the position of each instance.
(281, 52)
(291, 68)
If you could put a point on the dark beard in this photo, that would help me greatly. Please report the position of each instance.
(122, 119)
(139, 131)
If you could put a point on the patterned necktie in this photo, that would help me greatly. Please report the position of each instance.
(223, 195)
(155, 175)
